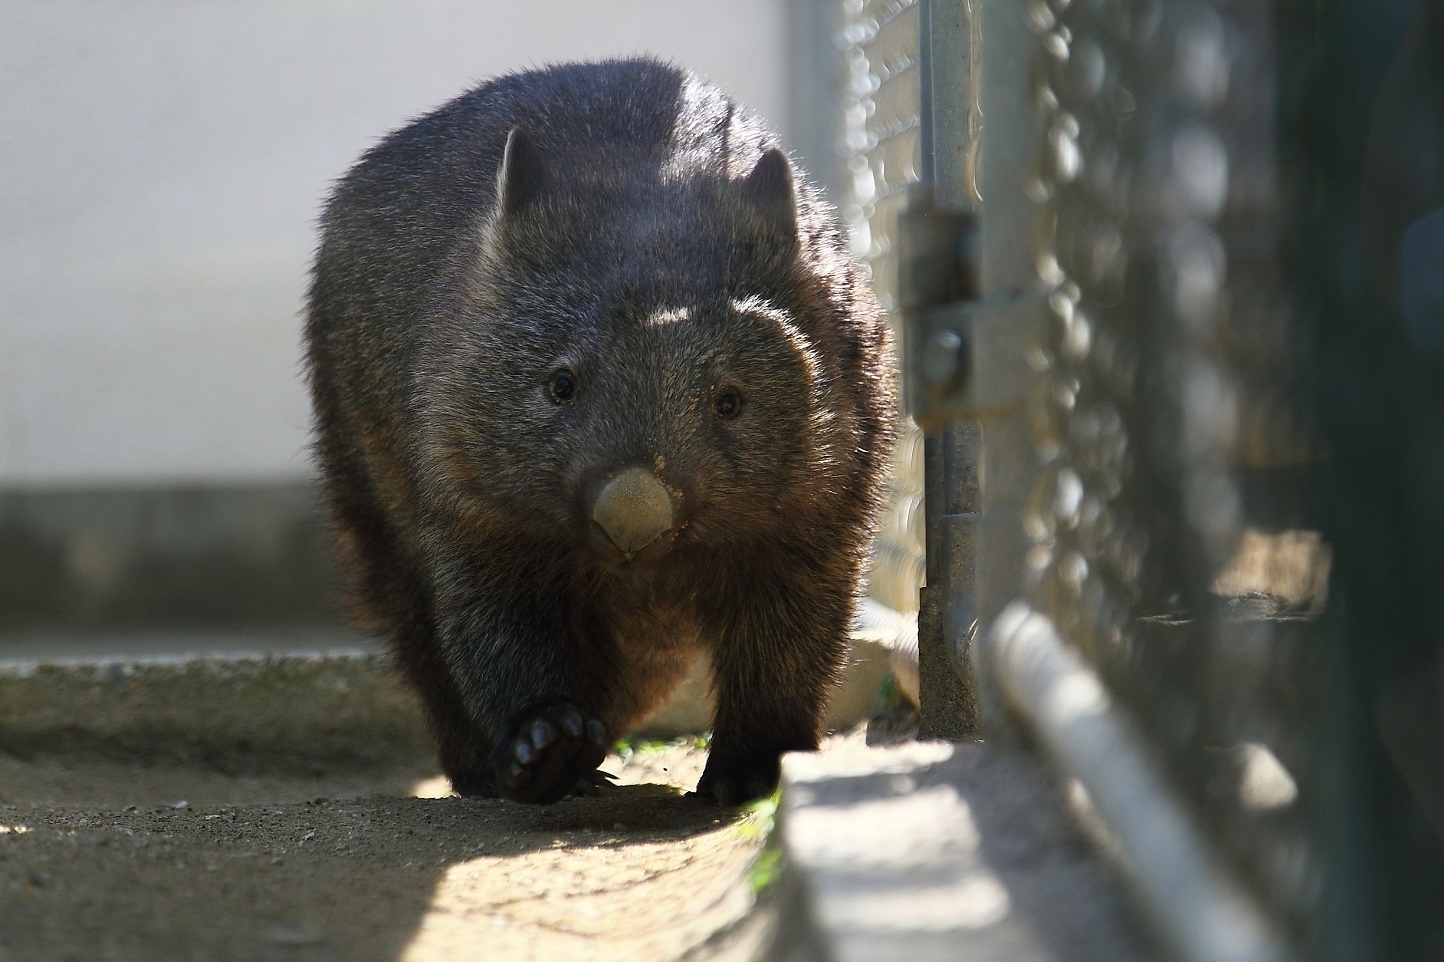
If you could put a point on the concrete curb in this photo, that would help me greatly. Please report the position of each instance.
(936, 851)
(231, 711)
(336, 704)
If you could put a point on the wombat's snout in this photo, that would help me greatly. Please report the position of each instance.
(634, 510)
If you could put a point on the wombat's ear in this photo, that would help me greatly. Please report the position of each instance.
(770, 189)
(522, 173)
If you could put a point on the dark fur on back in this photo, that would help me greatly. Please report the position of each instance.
(646, 243)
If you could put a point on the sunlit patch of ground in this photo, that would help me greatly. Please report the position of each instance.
(145, 858)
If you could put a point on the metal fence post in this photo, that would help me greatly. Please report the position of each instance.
(946, 616)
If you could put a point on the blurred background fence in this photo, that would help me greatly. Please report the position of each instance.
(1204, 357)
(881, 151)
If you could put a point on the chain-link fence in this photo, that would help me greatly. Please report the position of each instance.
(1206, 364)
(882, 148)
(1163, 430)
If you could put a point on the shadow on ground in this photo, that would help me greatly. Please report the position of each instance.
(110, 851)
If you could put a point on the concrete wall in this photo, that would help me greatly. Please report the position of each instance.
(162, 164)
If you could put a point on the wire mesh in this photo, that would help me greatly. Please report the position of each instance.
(1197, 474)
(1234, 421)
(882, 148)
(1170, 541)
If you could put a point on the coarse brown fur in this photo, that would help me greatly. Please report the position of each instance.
(647, 283)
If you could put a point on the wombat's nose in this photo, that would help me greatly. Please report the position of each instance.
(634, 509)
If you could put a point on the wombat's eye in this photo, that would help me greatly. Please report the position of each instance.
(563, 386)
(728, 404)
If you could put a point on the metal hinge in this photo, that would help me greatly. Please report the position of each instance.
(937, 289)
(945, 323)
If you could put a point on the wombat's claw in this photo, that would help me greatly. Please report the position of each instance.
(548, 749)
(594, 783)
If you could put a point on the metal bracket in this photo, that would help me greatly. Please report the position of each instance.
(937, 278)
(944, 323)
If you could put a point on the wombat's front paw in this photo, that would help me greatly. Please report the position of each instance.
(546, 750)
(737, 780)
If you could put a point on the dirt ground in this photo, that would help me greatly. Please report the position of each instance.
(131, 858)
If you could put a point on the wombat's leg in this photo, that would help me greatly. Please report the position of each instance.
(529, 685)
(547, 751)
(462, 748)
(388, 599)
(774, 669)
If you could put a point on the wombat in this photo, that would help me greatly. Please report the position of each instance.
(598, 391)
